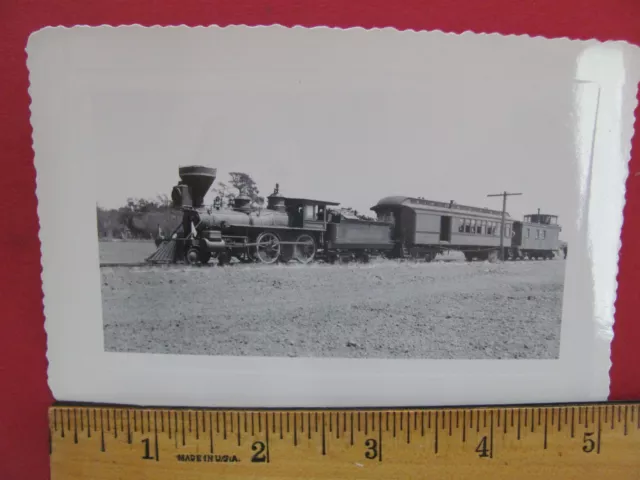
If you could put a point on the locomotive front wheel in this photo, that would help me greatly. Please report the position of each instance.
(305, 249)
(192, 257)
(268, 248)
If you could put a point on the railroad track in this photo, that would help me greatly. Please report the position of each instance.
(214, 264)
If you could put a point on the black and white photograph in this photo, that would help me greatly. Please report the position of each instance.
(299, 195)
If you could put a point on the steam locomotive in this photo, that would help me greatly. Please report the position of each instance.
(304, 229)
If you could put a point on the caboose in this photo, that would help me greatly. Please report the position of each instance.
(287, 229)
(538, 236)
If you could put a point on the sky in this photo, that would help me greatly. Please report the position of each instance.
(346, 116)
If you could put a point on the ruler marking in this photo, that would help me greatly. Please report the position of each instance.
(253, 430)
(546, 413)
(553, 416)
(115, 424)
(211, 431)
(224, 425)
(504, 421)
(288, 423)
(238, 426)
(273, 422)
(295, 429)
(351, 428)
(491, 433)
(344, 422)
(436, 435)
(245, 422)
(128, 427)
(315, 417)
(573, 422)
(373, 421)
(197, 425)
(619, 408)
(408, 428)
(366, 423)
(394, 425)
(359, 422)
(533, 415)
(471, 419)
(141, 422)
(484, 420)
(266, 424)
(422, 424)
(606, 415)
(148, 422)
(155, 434)
(309, 425)
(169, 424)
(175, 428)
(102, 445)
(415, 421)
(380, 437)
(68, 420)
(218, 423)
(519, 411)
(593, 414)
(62, 423)
(612, 419)
(512, 417)
(625, 420)
(464, 426)
(338, 425)
(498, 420)
(386, 419)
(539, 415)
(204, 426)
(135, 421)
(457, 419)
(75, 427)
(401, 421)
(182, 424)
(324, 441)
(450, 415)
(95, 420)
(599, 428)
(55, 420)
(281, 425)
(478, 421)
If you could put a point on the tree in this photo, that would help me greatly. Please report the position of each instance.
(243, 184)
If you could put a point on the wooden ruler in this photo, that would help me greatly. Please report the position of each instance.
(569, 441)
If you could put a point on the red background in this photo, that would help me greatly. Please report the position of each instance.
(24, 395)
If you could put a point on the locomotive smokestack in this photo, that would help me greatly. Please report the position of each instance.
(198, 179)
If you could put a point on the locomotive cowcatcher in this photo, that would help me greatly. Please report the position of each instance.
(287, 229)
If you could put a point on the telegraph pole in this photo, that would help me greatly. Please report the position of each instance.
(504, 196)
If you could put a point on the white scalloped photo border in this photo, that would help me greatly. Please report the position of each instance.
(80, 370)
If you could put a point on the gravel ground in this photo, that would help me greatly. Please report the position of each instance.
(129, 251)
(440, 310)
